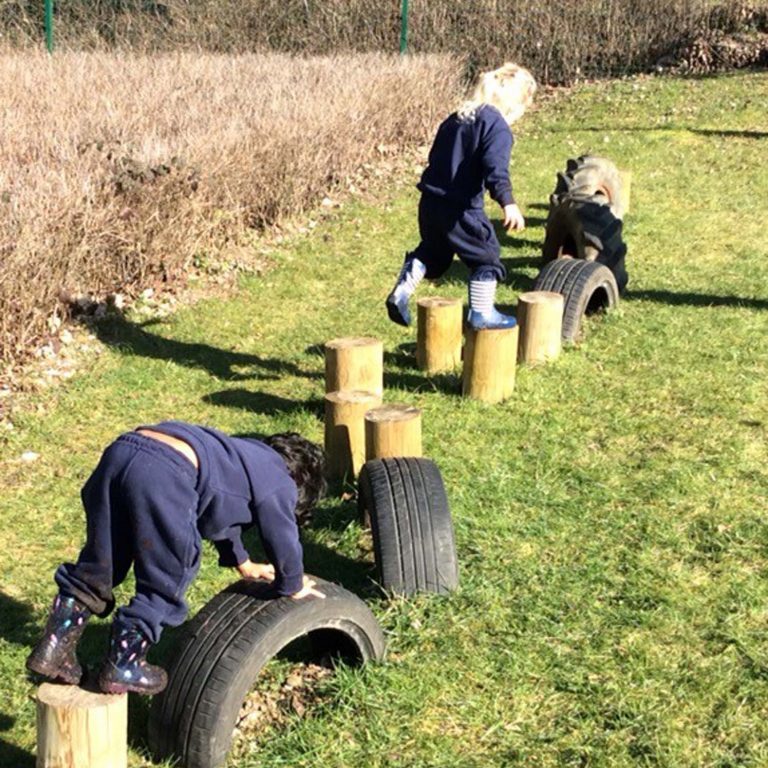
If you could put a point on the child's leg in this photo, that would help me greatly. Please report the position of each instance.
(86, 587)
(107, 554)
(159, 492)
(430, 259)
(477, 246)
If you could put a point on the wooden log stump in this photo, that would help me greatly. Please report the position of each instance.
(540, 316)
(345, 431)
(354, 364)
(490, 357)
(626, 189)
(438, 338)
(78, 728)
(392, 431)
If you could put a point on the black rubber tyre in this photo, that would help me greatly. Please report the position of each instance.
(411, 525)
(225, 647)
(587, 287)
(592, 178)
(588, 231)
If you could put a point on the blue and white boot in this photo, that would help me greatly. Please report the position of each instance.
(411, 275)
(482, 313)
(54, 655)
(126, 667)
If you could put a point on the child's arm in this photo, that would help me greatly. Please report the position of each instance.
(279, 531)
(513, 218)
(497, 150)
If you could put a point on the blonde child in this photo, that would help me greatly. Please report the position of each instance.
(470, 154)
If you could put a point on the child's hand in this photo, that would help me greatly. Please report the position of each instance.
(513, 218)
(262, 571)
(307, 589)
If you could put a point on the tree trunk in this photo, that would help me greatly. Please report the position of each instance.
(392, 431)
(540, 315)
(438, 346)
(354, 364)
(345, 431)
(490, 357)
(79, 729)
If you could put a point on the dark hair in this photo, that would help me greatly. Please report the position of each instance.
(306, 465)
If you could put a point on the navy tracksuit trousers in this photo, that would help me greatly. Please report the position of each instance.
(141, 510)
(447, 229)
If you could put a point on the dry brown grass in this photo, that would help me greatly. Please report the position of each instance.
(115, 169)
(559, 40)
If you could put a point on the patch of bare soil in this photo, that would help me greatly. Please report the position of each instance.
(277, 698)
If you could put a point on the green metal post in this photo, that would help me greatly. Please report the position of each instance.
(49, 25)
(404, 27)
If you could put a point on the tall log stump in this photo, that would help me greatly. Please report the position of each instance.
(345, 431)
(77, 728)
(392, 431)
(490, 357)
(353, 364)
(540, 316)
(438, 338)
(626, 189)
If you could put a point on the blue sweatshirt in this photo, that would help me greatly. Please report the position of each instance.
(469, 156)
(241, 483)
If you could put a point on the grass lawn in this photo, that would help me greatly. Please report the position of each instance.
(610, 518)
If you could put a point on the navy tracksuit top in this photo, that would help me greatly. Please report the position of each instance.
(468, 156)
(241, 483)
(147, 507)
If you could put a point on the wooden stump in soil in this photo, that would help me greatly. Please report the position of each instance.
(81, 729)
(392, 431)
(354, 364)
(540, 316)
(345, 431)
(438, 345)
(490, 357)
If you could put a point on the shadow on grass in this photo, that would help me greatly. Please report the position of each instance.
(403, 357)
(17, 622)
(11, 755)
(696, 299)
(263, 403)
(722, 132)
(134, 339)
(409, 377)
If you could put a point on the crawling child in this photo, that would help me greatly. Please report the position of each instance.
(155, 494)
(470, 154)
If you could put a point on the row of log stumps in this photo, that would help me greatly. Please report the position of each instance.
(490, 356)
(358, 427)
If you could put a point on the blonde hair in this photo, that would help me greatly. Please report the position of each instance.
(510, 89)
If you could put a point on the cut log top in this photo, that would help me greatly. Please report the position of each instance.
(539, 297)
(346, 343)
(436, 301)
(352, 396)
(393, 413)
(73, 697)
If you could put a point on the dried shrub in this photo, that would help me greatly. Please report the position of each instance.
(117, 169)
(559, 40)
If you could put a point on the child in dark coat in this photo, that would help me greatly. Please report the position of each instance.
(470, 154)
(156, 493)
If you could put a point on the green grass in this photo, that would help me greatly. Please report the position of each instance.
(610, 518)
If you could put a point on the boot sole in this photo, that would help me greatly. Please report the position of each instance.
(53, 674)
(395, 315)
(119, 688)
